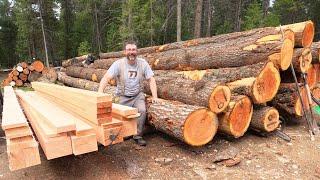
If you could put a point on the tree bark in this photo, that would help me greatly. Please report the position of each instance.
(228, 50)
(315, 51)
(303, 33)
(301, 59)
(201, 93)
(287, 100)
(265, 119)
(193, 125)
(197, 19)
(178, 20)
(261, 88)
(82, 83)
(237, 26)
(73, 61)
(236, 120)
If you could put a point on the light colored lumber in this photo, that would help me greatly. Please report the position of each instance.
(129, 126)
(22, 153)
(84, 139)
(123, 110)
(84, 144)
(83, 102)
(12, 115)
(53, 147)
(18, 132)
(52, 115)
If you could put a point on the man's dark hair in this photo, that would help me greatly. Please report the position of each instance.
(129, 42)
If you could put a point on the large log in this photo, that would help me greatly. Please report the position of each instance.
(301, 59)
(287, 100)
(303, 33)
(205, 93)
(260, 89)
(38, 66)
(265, 119)
(82, 83)
(236, 120)
(73, 61)
(193, 125)
(227, 50)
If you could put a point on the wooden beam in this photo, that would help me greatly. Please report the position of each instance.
(76, 98)
(54, 117)
(123, 110)
(12, 115)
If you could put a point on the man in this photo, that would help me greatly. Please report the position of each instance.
(130, 72)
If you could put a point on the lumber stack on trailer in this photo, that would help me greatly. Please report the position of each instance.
(22, 148)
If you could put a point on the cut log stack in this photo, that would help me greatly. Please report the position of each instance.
(24, 73)
(22, 148)
(234, 76)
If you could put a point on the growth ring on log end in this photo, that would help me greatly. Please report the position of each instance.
(266, 84)
(308, 34)
(219, 99)
(200, 127)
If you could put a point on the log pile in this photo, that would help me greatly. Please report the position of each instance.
(24, 73)
(240, 78)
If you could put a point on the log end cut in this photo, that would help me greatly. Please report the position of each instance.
(265, 119)
(200, 127)
(219, 99)
(305, 60)
(286, 54)
(308, 34)
(236, 120)
(266, 84)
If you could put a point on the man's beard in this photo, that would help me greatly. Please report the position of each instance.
(132, 57)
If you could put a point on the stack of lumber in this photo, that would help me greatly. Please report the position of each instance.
(24, 73)
(22, 148)
(234, 76)
(92, 108)
(59, 132)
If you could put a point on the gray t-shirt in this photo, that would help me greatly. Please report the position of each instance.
(131, 77)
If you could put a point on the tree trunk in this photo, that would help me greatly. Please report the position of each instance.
(312, 76)
(193, 125)
(236, 120)
(197, 19)
(265, 119)
(82, 83)
(301, 59)
(34, 76)
(73, 61)
(237, 26)
(265, 7)
(178, 20)
(201, 93)
(260, 88)
(228, 50)
(315, 51)
(303, 33)
(209, 16)
(287, 100)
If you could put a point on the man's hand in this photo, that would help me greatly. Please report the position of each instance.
(155, 100)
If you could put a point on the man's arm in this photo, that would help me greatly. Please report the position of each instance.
(104, 82)
(153, 88)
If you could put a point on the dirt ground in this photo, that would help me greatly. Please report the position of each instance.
(261, 158)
